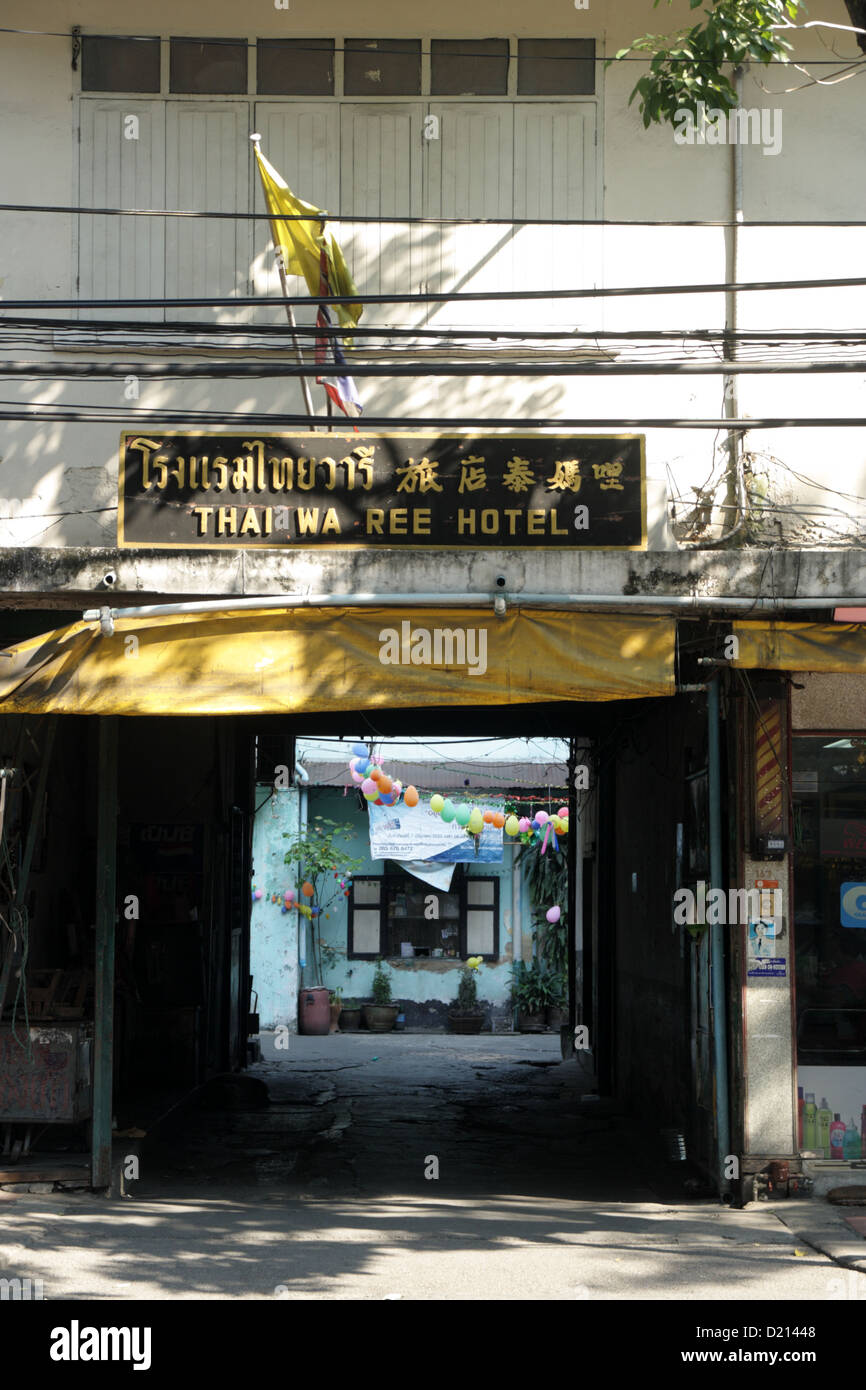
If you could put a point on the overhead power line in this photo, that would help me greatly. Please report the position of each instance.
(460, 297)
(315, 46)
(67, 371)
(13, 328)
(77, 210)
(123, 415)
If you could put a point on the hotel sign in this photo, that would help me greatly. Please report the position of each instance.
(316, 490)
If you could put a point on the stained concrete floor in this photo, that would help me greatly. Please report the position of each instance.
(363, 1114)
(543, 1192)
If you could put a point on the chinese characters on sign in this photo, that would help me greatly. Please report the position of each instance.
(228, 491)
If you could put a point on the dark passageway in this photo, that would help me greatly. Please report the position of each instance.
(367, 1116)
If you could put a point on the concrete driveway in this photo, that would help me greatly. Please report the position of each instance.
(421, 1166)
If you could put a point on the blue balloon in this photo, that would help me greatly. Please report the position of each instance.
(360, 750)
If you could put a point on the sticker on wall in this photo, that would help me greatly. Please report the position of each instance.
(762, 960)
(852, 905)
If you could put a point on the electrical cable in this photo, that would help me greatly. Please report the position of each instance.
(414, 220)
(315, 46)
(271, 420)
(217, 371)
(458, 297)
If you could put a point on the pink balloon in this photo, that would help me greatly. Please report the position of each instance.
(553, 914)
(357, 777)
(524, 824)
(542, 817)
(369, 788)
(563, 812)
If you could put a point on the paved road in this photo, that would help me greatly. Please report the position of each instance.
(543, 1192)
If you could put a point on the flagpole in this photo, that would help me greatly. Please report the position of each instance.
(305, 385)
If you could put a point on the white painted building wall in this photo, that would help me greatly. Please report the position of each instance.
(499, 158)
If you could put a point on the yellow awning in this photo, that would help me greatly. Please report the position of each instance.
(270, 661)
(801, 646)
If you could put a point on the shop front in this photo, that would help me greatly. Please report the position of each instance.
(817, 949)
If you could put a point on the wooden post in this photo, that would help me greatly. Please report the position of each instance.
(103, 995)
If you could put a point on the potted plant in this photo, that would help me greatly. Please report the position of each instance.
(350, 1018)
(319, 860)
(468, 1014)
(529, 993)
(381, 1015)
(335, 1000)
(557, 997)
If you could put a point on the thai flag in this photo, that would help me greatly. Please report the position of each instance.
(339, 385)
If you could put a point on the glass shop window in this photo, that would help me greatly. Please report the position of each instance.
(119, 65)
(829, 844)
(208, 66)
(382, 67)
(295, 67)
(555, 67)
(420, 920)
(469, 67)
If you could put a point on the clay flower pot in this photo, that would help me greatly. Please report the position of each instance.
(466, 1023)
(380, 1018)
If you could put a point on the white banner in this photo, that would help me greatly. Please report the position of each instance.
(416, 832)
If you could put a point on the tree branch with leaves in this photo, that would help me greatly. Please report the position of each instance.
(689, 66)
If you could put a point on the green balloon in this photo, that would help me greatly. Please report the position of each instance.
(448, 811)
(462, 815)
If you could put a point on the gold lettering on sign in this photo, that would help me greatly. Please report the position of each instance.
(306, 474)
(242, 478)
(465, 522)
(398, 519)
(363, 464)
(421, 521)
(535, 522)
(250, 523)
(512, 513)
(257, 447)
(332, 473)
(308, 519)
(227, 521)
(330, 523)
(375, 520)
(282, 473)
(146, 447)
(203, 514)
(221, 468)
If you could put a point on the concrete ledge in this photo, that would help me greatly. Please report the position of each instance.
(69, 577)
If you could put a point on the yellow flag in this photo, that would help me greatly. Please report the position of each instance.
(302, 242)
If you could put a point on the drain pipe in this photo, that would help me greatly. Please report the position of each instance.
(695, 603)
(717, 945)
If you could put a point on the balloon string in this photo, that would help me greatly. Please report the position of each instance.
(546, 833)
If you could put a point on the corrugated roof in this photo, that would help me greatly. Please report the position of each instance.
(469, 775)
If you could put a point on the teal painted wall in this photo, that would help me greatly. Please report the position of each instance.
(413, 980)
(274, 935)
